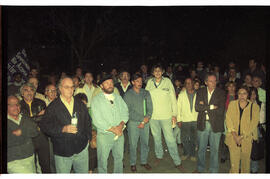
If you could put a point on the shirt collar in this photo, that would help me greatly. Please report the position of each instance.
(64, 101)
(123, 85)
(14, 120)
(109, 96)
(209, 91)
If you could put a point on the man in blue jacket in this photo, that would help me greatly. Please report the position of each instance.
(68, 123)
(110, 113)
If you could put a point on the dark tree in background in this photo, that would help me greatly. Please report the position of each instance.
(84, 28)
(99, 38)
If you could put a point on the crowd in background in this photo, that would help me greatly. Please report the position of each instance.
(197, 109)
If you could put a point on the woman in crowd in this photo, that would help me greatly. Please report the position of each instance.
(231, 95)
(242, 118)
(254, 97)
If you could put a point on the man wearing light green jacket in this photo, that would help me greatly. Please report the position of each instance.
(164, 114)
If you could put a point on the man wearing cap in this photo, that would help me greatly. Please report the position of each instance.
(68, 123)
(110, 113)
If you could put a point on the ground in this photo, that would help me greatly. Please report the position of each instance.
(167, 165)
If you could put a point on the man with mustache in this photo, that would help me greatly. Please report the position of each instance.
(110, 113)
(140, 108)
(35, 108)
(124, 85)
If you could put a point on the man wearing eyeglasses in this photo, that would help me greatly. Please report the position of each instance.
(20, 131)
(68, 123)
(50, 94)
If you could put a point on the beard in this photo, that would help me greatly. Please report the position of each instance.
(108, 90)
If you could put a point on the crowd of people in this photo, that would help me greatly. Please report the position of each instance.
(71, 124)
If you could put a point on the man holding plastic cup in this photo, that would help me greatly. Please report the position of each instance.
(68, 123)
(110, 113)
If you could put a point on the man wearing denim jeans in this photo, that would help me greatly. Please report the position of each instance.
(187, 119)
(210, 103)
(68, 123)
(164, 115)
(110, 113)
(140, 110)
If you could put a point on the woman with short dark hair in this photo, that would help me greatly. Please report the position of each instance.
(242, 118)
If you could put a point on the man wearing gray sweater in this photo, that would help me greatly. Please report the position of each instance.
(21, 129)
(140, 109)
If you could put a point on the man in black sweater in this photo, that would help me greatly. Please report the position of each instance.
(34, 108)
(68, 123)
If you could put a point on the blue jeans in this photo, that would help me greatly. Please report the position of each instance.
(134, 133)
(189, 137)
(166, 126)
(177, 134)
(79, 162)
(214, 139)
(105, 144)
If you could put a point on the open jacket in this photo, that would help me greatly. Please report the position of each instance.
(56, 117)
(216, 116)
(248, 128)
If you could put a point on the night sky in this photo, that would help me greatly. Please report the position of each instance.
(125, 37)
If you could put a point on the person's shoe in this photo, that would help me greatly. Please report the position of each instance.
(146, 166)
(133, 168)
(184, 157)
(157, 161)
(193, 159)
(180, 167)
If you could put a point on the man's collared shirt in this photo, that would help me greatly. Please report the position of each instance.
(30, 105)
(262, 95)
(69, 106)
(209, 98)
(124, 88)
(14, 120)
(89, 93)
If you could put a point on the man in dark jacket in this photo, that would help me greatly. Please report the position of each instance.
(35, 108)
(68, 123)
(124, 85)
(210, 103)
(21, 129)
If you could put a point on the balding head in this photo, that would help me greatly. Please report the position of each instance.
(13, 107)
(66, 87)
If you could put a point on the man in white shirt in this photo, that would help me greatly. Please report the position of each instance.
(187, 119)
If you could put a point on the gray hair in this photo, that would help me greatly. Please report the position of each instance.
(60, 83)
(25, 85)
